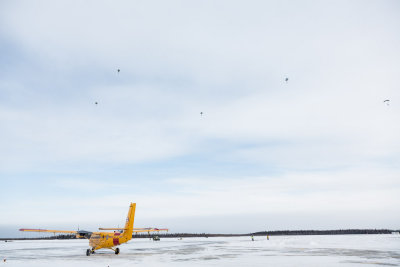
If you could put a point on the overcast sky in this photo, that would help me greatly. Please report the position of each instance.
(320, 151)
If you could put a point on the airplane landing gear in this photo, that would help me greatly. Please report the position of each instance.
(92, 251)
(89, 251)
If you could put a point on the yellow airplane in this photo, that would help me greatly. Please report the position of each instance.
(109, 240)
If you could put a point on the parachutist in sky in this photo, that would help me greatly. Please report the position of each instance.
(286, 79)
(201, 113)
(118, 70)
(386, 101)
(95, 103)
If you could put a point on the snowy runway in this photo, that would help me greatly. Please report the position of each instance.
(348, 250)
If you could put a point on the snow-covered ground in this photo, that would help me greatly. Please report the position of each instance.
(348, 250)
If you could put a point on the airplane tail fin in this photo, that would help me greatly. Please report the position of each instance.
(129, 222)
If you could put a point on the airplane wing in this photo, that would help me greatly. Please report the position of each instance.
(136, 230)
(115, 229)
(79, 234)
(141, 230)
(48, 231)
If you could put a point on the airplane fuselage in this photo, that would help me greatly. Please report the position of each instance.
(107, 239)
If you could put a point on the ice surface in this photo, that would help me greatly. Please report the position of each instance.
(344, 250)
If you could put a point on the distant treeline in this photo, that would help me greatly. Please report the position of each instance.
(179, 235)
(205, 235)
(41, 238)
(327, 232)
(265, 233)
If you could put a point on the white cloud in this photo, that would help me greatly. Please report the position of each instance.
(353, 191)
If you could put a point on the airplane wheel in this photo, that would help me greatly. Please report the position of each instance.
(117, 251)
(88, 252)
